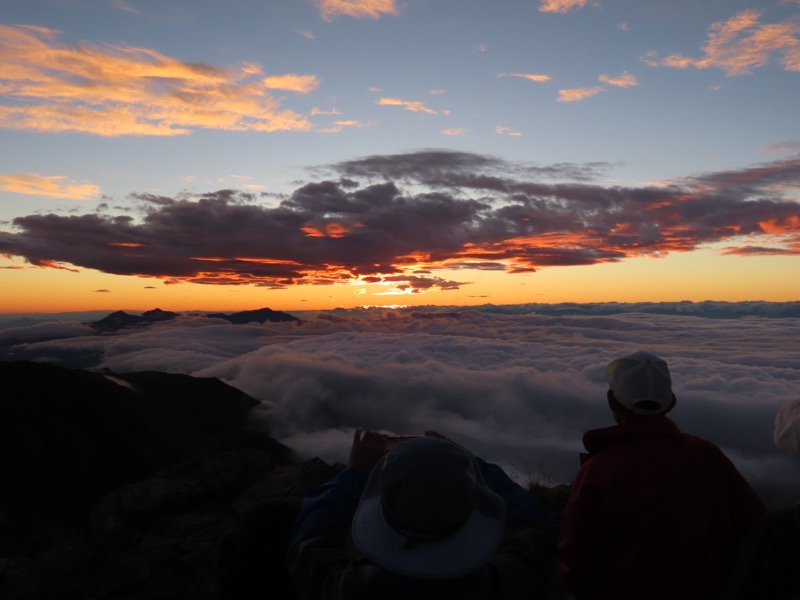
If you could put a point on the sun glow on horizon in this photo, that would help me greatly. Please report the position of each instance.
(708, 275)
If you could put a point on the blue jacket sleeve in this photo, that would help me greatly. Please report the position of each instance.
(330, 509)
(520, 504)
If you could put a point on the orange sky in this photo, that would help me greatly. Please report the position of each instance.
(701, 275)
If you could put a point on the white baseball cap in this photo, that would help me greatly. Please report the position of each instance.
(641, 383)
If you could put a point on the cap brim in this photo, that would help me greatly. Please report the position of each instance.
(439, 558)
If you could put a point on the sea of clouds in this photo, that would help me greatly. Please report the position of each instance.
(516, 387)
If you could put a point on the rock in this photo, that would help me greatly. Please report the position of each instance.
(107, 488)
(143, 486)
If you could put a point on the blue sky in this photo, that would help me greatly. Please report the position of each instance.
(101, 100)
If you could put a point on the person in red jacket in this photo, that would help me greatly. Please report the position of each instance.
(653, 512)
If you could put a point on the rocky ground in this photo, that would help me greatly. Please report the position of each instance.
(143, 485)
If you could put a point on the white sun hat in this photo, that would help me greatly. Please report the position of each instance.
(426, 512)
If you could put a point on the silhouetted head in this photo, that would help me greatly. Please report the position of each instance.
(426, 511)
(639, 385)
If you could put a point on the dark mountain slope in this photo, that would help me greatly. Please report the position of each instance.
(90, 462)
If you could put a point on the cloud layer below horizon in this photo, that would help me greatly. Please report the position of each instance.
(519, 389)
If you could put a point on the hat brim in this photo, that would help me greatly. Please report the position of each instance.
(439, 558)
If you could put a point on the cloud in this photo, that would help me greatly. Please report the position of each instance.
(340, 125)
(47, 331)
(455, 131)
(500, 130)
(529, 76)
(302, 84)
(125, 7)
(113, 90)
(359, 9)
(411, 105)
(789, 249)
(560, 6)
(348, 123)
(465, 211)
(512, 384)
(52, 186)
(319, 111)
(782, 147)
(577, 94)
(740, 45)
(625, 80)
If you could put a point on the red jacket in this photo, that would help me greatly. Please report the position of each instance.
(653, 513)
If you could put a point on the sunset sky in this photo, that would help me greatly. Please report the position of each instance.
(312, 154)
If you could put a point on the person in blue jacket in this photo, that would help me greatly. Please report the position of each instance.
(420, 518)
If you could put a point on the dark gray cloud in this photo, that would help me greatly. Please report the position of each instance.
(440, 168)
(456, 210)
(515, 386)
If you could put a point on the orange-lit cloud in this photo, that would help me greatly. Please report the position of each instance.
(625, 80)
(121, 90)
(456, 131)
(560, 6)
(529, 76)
(577, 94)
(302, 84)
(780, 226)
(359, 9)
(412, 105)
(338, 126)
(740, 45)
(52, 186)
(466, 212)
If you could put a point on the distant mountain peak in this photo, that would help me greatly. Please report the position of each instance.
(121, 320)
(160, 315)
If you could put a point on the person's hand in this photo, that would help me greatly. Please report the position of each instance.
(367, 449)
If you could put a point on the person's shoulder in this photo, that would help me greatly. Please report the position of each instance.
(701, 444)
(784, 519)
(777, 531)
